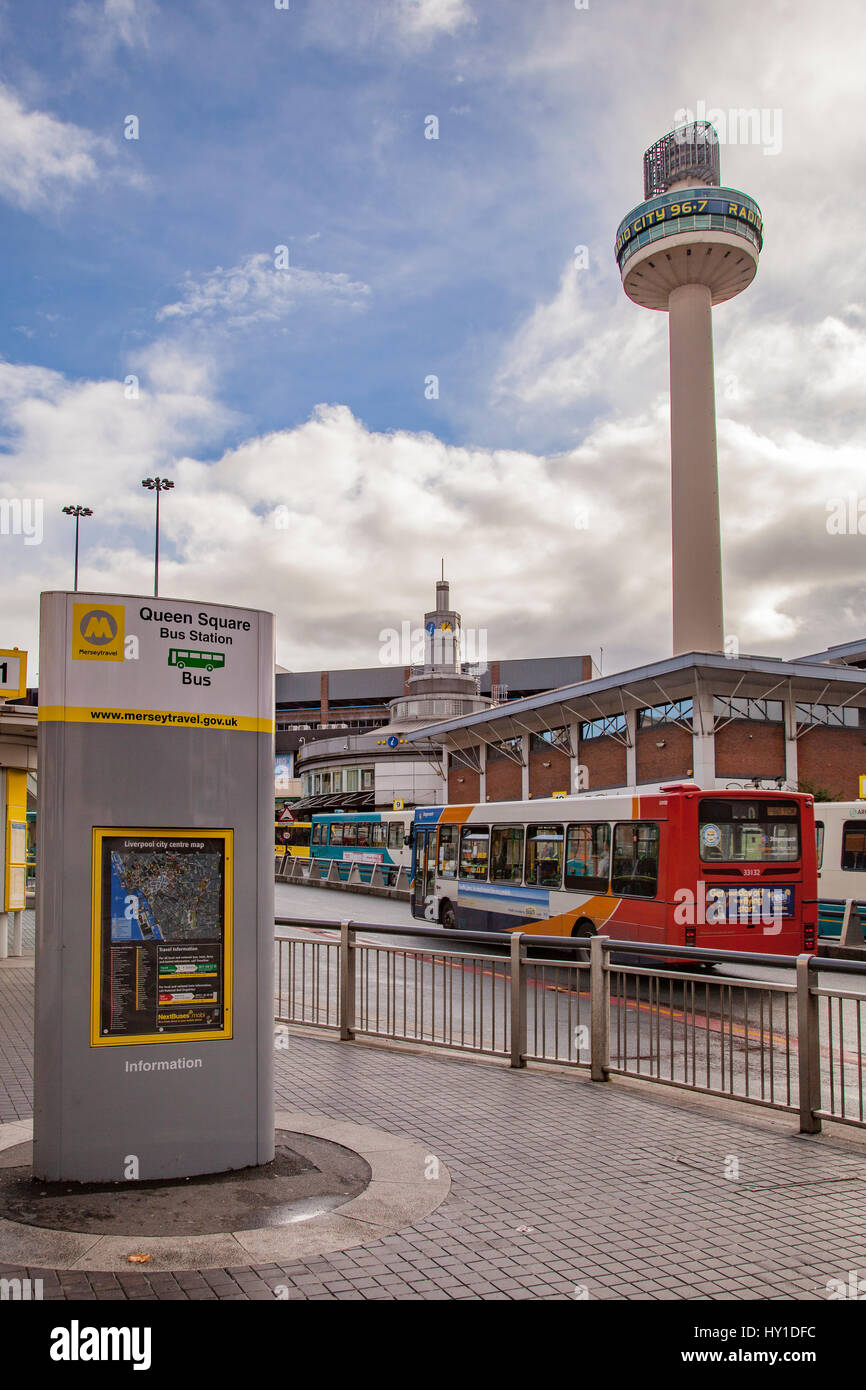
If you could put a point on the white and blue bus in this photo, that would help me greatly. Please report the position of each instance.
(840, 828)
(365, 838)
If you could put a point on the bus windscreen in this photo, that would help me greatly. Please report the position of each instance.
(744, 831)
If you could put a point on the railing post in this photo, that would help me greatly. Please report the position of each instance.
(518, 1003)
(808, 1049)
(851, 933)
(599, 1002)
(347, 982)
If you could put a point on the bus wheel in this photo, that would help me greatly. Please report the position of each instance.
(447, 916)
(583, 928)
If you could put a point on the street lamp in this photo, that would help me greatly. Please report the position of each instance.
(157, 485)
(77, 512)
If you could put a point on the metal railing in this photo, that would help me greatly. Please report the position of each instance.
(292, 869)
(614, 1007)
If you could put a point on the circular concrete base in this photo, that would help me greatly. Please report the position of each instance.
(406, 1184)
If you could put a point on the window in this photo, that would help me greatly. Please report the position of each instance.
(506, 854)
(834, 716)
(351, 779)
(636, 859)
(337, 784)
(336, 833)
(819, 841)
(317, 833)
(587, 857)
(366, 779)
(741, 707)
(506, 747)
(379, 834)
(326, 781)
(363, 832)
(395, 835)
(550, 738)
(350, 834)
(603, 728)
(744, 830)
(544, 855)
(854, 845)
(474, 841)
(448, 850)
(672, 712)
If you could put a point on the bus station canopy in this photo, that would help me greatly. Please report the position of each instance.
(677, 678)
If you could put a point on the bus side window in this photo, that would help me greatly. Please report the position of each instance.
(587, 857)
(506, 854)
(819, 842)
(336, 833)
(349, 834)
(854, 846)
(474, 841)
(380, 831)
(635, 859)
(544, 844)
(448, 851)
(317, 833)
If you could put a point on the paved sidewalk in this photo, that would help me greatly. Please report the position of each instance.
(561, 1188)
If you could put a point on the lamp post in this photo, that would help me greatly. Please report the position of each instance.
(77, 512)
(157, 485)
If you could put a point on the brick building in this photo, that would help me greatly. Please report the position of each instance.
(718, 721)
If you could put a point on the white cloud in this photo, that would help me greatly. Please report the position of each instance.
(254, 291)
(114, 24)
(43, 158)
(550, 553)
(426, 19)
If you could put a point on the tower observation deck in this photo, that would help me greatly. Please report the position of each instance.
(690, 244)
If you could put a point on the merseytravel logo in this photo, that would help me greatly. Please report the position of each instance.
(97, 631)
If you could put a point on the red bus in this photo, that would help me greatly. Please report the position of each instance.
(729, 870)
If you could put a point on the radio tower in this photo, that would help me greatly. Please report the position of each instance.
(689, 245)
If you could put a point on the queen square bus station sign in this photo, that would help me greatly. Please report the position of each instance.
(155, 907)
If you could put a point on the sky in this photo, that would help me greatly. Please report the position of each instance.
(235, 255)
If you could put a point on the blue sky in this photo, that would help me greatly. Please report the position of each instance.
(410, 257)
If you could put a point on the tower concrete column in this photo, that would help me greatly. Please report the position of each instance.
(691, 244)
(696, 542)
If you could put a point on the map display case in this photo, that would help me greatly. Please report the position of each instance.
(161, 968)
